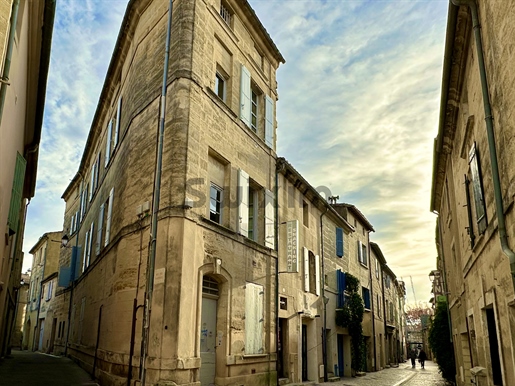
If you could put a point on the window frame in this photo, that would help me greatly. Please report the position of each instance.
(220, 78)
(218, 200)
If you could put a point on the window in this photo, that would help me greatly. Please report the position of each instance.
(109, 211)
(254, 110)
(254, 320)
(388, 280)
(340, 285)
(215, 206)
(477, 189)
(362, 253)
(16, 194)
(220, 87)
(94, 177)
(378, 306)
(269, 219)
(283, 303)
(88, 241)
(113, 133)
(253, 206)
(311, 272)
(365, 292)
(305, 213)
(339, 242)
(50, 287)
(225, 13)
(377, 269)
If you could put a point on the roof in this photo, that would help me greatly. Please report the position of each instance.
(285, 168)
(357, 213)
(44, 237)
(382, 259)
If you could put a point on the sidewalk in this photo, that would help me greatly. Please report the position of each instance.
(27, 368)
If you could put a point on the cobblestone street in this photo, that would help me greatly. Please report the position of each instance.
(404, 375)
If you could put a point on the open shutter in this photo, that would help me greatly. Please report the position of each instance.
(117, 125)
(99, 231)
(85, 257)
(108, 142)
(269, 219)
(306, 268)
(339, 242)
(254, 297)
(360, 252)
(472, 236)
(317, 274)
(243, 203)
(269, 121)
(477, 188)
(90, 244)
(109, 214)
(245, 96)
(16, 194)
(92, 182)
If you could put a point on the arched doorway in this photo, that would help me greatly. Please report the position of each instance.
(210, 294)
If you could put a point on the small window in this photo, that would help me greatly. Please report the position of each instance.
(253, 206)
(254, 110)
(220, 86)
(225, 13)
(305, 213)
(215, 206)
(366, 297)
(210, 286)
(283, 303)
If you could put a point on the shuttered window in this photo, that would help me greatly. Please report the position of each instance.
(13, 218)
(477, 188)
(366, 297)
(109, 215)
(339, 242)
(470, 229)
(254, 320)
(306, 268)
(269, 219)
(243, 203)
(98, 245)
(117, 125)
(245, 96)
(341, 285)
(108, 142)
(269, 121)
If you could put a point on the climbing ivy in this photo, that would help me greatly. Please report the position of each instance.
(440, 342)
(351, 316)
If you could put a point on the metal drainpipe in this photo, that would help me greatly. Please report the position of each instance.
(4, 80)
(490, 134)
(41, 288)
(155, 203)
(372, 299)
(322, 278)
(277, 327)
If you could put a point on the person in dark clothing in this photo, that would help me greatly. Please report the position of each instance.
(413, 356)
(422, 357)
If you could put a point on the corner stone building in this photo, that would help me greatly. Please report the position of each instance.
(213, 301)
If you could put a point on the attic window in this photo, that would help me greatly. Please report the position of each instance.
(225, 13)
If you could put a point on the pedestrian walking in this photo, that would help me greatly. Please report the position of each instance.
(413, 356)
(422, 357)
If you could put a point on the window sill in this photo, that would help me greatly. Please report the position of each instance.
(363, 265)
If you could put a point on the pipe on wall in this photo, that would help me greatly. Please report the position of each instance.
(490, 134)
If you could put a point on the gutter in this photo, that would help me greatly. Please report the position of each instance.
(490, 135)
(322, 278)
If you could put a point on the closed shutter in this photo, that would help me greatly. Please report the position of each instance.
(108, 142)
(109, 214)
(99, 231)
(254, 298)
(306, 268)
(13, 218)
(317, 274)
(245, 96)
(243, 203)
(340, 282)
(360, 252)
(269, 219)
(339, 242)
(269, 121)
(117, 126)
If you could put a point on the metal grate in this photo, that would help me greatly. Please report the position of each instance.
(226, 15)
(209, 286)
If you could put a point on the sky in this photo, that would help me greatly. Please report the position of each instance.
(357, 112)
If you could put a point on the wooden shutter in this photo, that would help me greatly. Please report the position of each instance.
(269, 121)
(254, 298)
(477, 188)
(243, 203)
(108, 142)
(317, 275)
(109, 215)
(472, 236)
(269, 219)
(85, 257)
(360, 252)
(117, 125)
(245, 96)
(92, 182)
(13, 218)
(306, 269)
(339, 242)
(99, 231)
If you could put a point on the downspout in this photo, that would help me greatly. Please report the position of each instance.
(322, 279)
(155, 203)
(277, 337)
(4, 80)
(490, 134)
(372, 300)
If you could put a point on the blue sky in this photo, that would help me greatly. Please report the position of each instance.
(357, 112)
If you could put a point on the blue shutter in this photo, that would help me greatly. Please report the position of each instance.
(73, 264)
(339, 242)
(64, 277)
(340, 281)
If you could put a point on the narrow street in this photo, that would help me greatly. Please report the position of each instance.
(403, 375)
(26, 368)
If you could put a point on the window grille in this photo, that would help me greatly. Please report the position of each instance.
(226, 15)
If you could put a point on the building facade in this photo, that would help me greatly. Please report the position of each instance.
(25, 35)
(473, 190)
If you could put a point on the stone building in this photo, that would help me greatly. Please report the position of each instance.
(25, 36)
(473, 188)
(45, 261)
(21, 308)
(213, 311)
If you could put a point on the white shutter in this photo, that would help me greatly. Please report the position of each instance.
(92, 183)
(85, 257)
(317, 274)
(254, 297)
(269, 121)
(245, 96)
(109, 214)
(360, 252)
(108, 142)
(306, 269)
(90, 242)
(72, 224)
(243, 203)
(99, 231)
(269, 219)
(117, 126)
